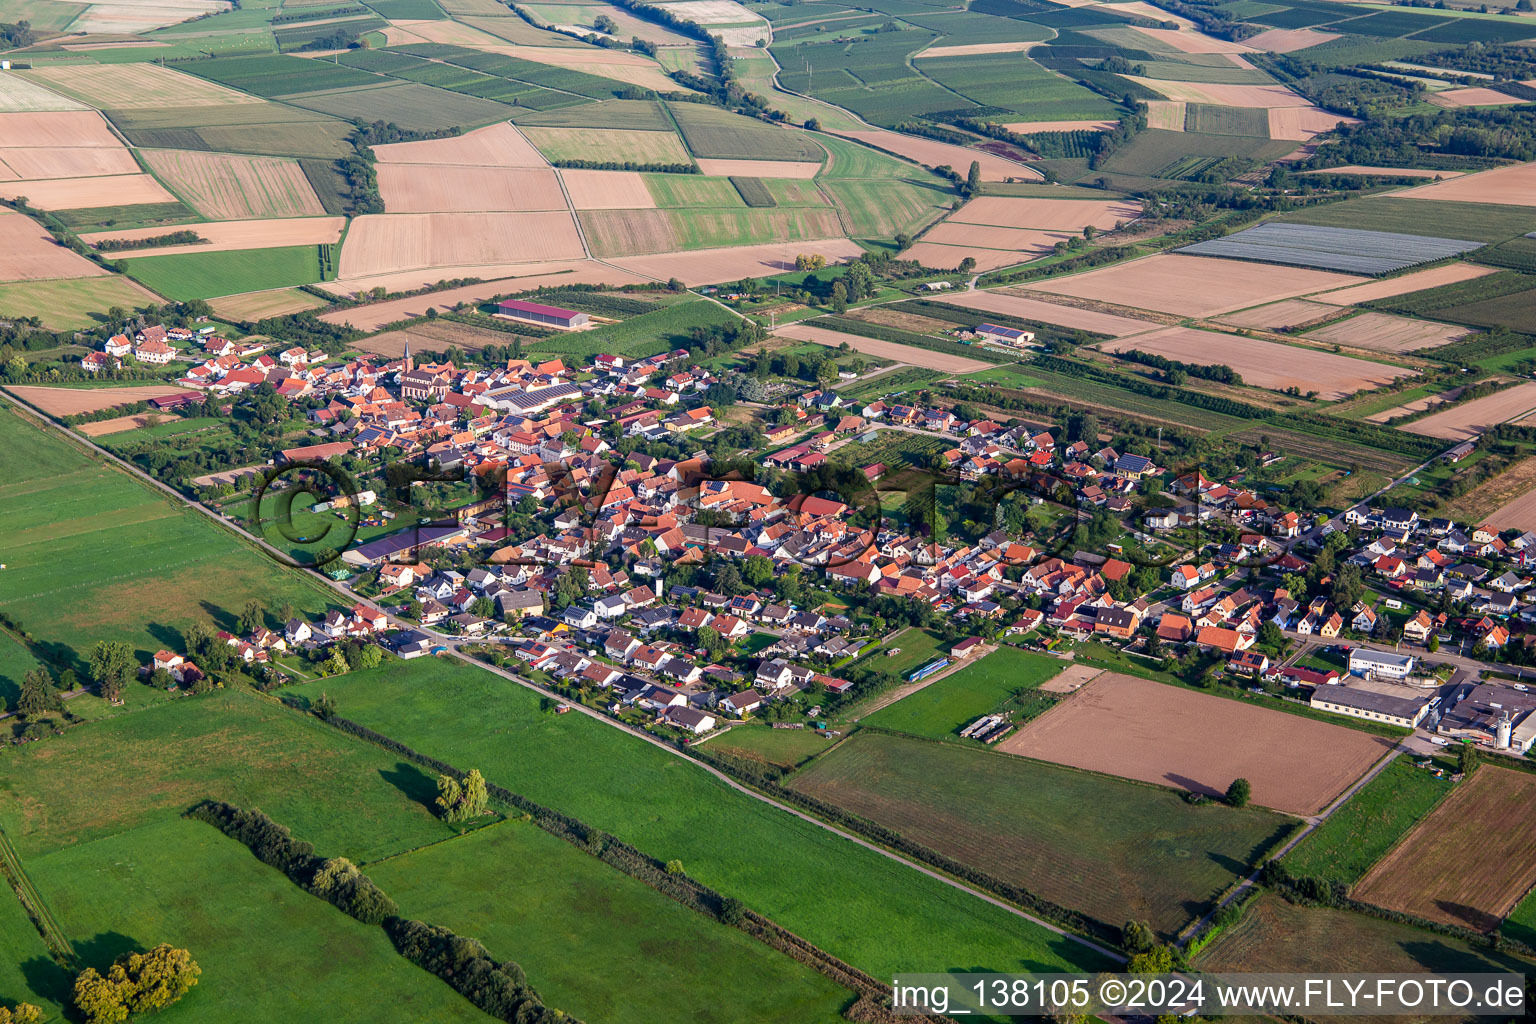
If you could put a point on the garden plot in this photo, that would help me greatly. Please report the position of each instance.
(1200, 742)
(423, 188)
(1383, 332)
(1429, 874)
(498, 145)
(1434, 277)
(1030, 307)
(85, 193)
(712, 266)
(1193, 286)
(1265, 364)
(230, 235)
(134, 86)
(930, 153)
(387, 243)
(607, 190)
(28, 253)
(1514, 185)
(1469, 419)
(1326, 248)
(226, 186)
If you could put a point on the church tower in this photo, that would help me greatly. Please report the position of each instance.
(409, 363)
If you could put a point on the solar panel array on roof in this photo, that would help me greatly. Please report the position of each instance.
(1350, 250)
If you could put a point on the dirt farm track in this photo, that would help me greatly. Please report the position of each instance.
(1140, 729)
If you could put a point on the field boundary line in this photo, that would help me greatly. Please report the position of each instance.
(32, 902)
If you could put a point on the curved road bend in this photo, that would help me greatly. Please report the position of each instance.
(455, 643)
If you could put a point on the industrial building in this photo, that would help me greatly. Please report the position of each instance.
(1380, 664)
(538, 313)
(1406, 711)
(1499, 716)
(1004, 335)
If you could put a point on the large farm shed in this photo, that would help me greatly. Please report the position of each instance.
(1351, 250)
(542, 314)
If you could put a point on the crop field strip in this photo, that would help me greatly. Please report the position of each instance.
(1344, 249)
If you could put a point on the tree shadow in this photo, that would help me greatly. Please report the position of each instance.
(100, 950)
(1472, 917)
(1183, 782)
(416, 784)
(168, 637)
(43, 977)
(223, 619)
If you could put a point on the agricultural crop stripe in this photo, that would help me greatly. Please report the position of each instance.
(1352, 250)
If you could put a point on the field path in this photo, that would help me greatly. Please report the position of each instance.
(455, 645)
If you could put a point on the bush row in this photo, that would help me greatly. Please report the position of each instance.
(627, 165)
(499, 988)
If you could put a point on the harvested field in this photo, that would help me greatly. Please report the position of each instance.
(78, 162)
(607, 190)
(1469, 419)
(1418, 280)
(966, 49)
(1474, 96)
(498, 145)
(1071, 679)
(1194, 741)
(894, 351)
(1428, 874)
(1417, 405)
(1169, 115)
(1501, 500)
(1285, 313)
(28, 253)
(710, 12)
(18, 94)
(432, 336)
(977, 236)
(1514, 185)
(1266, 364)
(1519, 514)
(224, 186)
(1193, 286)
(1285, 40)
(72, 401)
(933, 154)
(1382, 332)
(1031, 308)
(1031, 127)
(609, 144)
(84, 193)
(760, 168)
(131, 86)
(423, 188)
(56, 129)
(712, 266)
(385, 243)
(1047, 214)
(253, 306)
(619, 65)
(121, 423)
(1396, 172)
(499, 281)
(1224, 95)
(948, 257)
(229, 235)
(1301, 123)
(73, 303)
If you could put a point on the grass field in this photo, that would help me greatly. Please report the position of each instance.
(847, 159)
(888, 915)
(660, 330)
(678, 191)
(561, 912)
(15, 662)
(917, 646)
(182, 882)
(69, 305)
(206, 275)
(27, 973)
(719, 134)
(630, 115)
(1356, 835)
(940, 709)
(1479, 222)
(1110, 849)
(784, 747)
(641, 147)
(60, 510)
(1177, 154)
(634, 232)
(882, 208)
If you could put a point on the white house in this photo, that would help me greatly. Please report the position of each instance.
(1380, 664)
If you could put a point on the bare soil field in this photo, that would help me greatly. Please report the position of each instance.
(1031, 127)
(1284, 40)
(18, 94)
(385, 243)
(1519, 514)
(619, 65)
(1382, 332)
(83, 193)
(228, 235)
(1472, 418)
(76, 162)
(1193, 285)
(135, 16)
(501, 280)
(1506, 500)
(122, 423)
(1166, 114)
(1071, 679)
(607, 190)
(1400, 172)
(941, 256)
(224, 186)
(1434, 277)
(1031, 308)
(28, 253)
(1417, 405)
(56, 129)
(432, 336)
(255, 306)
(908, 354)
(1224, 95)
(1199, 742)
(1472, 96)
(760, 168)
(710, 12)
(498, 145)
(421, 188)
(1514, 185)
(1285, 313)
(712, 266)
(1048, 214)
(1299, 124)
(439, 31)
(1187, 40)
(980, 236)
(1265, 364)
(933, 154)
(131, 86)
(72, 401)
(643, 147)
(965, 49)
(1430, 875)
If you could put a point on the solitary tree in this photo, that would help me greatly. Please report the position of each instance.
(973, 178)
(37, 696)
(461, 800)
(1137, 936)
(252, 618)
(1239, 792)
(21, 1013)
(136, 983)
(1466, 758)
(110, 663)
